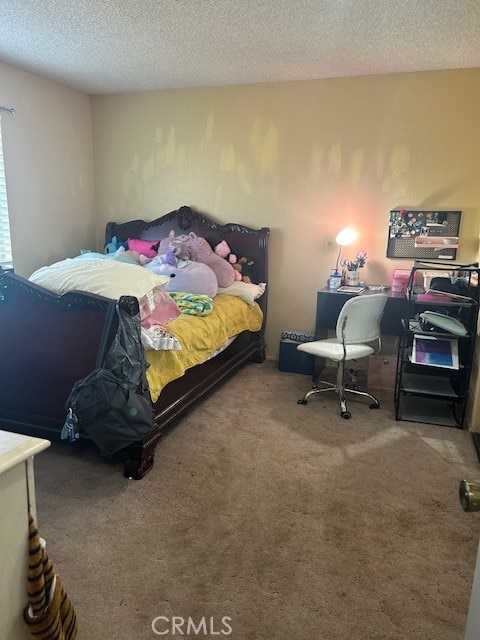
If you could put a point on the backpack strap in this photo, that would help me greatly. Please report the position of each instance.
(107, 326)
(126, 355)
(143, 362)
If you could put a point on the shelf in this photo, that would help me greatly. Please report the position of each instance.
(434, 389)
(427, 368)
(428, 411)
(442, 303)
(428, 385)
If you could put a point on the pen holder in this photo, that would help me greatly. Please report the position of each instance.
(352, 278)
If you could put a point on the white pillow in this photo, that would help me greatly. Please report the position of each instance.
(107, 278)
(247, 291)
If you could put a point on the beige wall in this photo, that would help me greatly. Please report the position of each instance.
(49, 169)
(304, 158)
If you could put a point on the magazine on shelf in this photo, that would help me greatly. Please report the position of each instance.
(435, 352)
(448, 295)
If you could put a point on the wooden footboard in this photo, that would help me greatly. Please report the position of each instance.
(48, 342)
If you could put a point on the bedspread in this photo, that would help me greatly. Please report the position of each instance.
(200, 336)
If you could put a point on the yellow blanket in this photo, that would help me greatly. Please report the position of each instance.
(200, 337)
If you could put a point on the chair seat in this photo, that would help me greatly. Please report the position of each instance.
(332, 349)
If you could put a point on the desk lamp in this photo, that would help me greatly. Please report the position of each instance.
(346, 237)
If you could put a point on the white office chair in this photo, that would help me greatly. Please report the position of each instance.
(358, 325)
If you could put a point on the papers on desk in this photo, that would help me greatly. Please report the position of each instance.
(347, 289)
(435, 352)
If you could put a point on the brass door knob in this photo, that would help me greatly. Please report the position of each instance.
(469, 494)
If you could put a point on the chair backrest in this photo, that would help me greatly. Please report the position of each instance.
(363, 315)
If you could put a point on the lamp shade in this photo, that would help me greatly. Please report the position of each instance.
(346, 236)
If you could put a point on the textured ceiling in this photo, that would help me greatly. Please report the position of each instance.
(107, 46)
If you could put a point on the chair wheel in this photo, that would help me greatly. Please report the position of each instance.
(374, 405)
(301, 401)
(346, 415)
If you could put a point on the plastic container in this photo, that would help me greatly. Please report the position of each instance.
(400, 280)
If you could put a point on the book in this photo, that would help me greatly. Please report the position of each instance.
(448, 296)
(348, 289)
(435, 352)
(430, 296)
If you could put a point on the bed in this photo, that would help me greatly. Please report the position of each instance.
(49, 341)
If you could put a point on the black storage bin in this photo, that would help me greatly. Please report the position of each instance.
(292, 360)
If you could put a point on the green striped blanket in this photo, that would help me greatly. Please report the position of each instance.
(194, 304)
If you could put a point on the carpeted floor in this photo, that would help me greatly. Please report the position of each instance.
(292, 522)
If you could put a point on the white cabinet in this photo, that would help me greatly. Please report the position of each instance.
(17, 498)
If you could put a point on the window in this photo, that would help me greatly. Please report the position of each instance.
(5, 244)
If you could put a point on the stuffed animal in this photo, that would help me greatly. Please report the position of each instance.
(115, 244)
(181, 251)
(223, 270)
(243, 266)
(186, 276)
(177, 251)
(246, 265)
(223, 250)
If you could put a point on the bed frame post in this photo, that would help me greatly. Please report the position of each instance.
(139, 461)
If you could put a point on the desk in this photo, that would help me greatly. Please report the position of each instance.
(330, 302)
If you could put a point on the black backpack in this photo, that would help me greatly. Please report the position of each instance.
(105, 404)
(110, 413)
(460, 287)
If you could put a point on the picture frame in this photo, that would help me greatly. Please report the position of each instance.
(423, 234)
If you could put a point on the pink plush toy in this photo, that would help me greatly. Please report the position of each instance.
(223, 270)
(223, 249)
